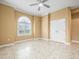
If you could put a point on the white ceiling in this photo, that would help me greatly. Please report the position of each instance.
(23, 5)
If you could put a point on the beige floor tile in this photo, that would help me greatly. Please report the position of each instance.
(40, 49)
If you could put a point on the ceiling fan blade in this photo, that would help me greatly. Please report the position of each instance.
(46, 5)
(39, 0)
(39, 8)
(34, 4)
(44, 1)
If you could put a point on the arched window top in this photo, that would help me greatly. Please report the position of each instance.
(24, 19)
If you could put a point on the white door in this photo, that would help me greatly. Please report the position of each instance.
(58, 30)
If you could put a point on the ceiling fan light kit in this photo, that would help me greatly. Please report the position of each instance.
(40, 4)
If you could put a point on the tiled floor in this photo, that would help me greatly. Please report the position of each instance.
(40, 49)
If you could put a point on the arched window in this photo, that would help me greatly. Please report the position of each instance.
(24, 26)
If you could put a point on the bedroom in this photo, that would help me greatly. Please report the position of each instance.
(46, 30)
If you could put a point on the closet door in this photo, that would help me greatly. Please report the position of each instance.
(58, 30)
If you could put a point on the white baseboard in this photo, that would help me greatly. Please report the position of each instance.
(21, 41)
(36, 38)
(75, 41)
(10, 44)
(66, 43)
(5, 45)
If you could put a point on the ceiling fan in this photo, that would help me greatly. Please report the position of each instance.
(40, 3)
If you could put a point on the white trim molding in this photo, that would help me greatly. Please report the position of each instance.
(75, 41)
(6, 45)
(11, 44)
(66, 43)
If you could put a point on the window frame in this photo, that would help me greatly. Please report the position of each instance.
(26, 21)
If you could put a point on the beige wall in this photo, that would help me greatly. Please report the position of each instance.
(37, 27)
(8, 25)
(63, 13)
(75, 26)
(44, 31)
